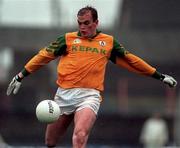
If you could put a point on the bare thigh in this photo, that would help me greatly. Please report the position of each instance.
(84, 120)
(57, 129)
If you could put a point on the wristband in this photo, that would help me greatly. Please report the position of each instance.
(158, 75)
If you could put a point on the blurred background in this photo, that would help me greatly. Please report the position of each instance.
(149, 29)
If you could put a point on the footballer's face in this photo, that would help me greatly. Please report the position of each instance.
(87, 26)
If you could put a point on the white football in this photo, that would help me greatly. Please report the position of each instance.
(47, 111)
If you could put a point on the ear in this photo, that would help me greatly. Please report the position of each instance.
(96, 22)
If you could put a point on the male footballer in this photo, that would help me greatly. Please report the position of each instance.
(81, 69)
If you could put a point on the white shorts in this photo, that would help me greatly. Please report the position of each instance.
(75, 99)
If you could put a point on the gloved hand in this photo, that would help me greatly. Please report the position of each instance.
(169, 80)
(14, 85)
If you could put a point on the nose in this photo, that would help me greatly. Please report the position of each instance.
(82, 26)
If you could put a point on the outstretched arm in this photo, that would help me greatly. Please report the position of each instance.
(137, 65)
(44, 56)
(133, 63)
(39, 60)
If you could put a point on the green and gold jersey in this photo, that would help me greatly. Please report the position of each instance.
(83, 61)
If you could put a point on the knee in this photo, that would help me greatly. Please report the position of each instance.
(80, 137)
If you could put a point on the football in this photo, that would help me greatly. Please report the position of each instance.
(47, 111)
